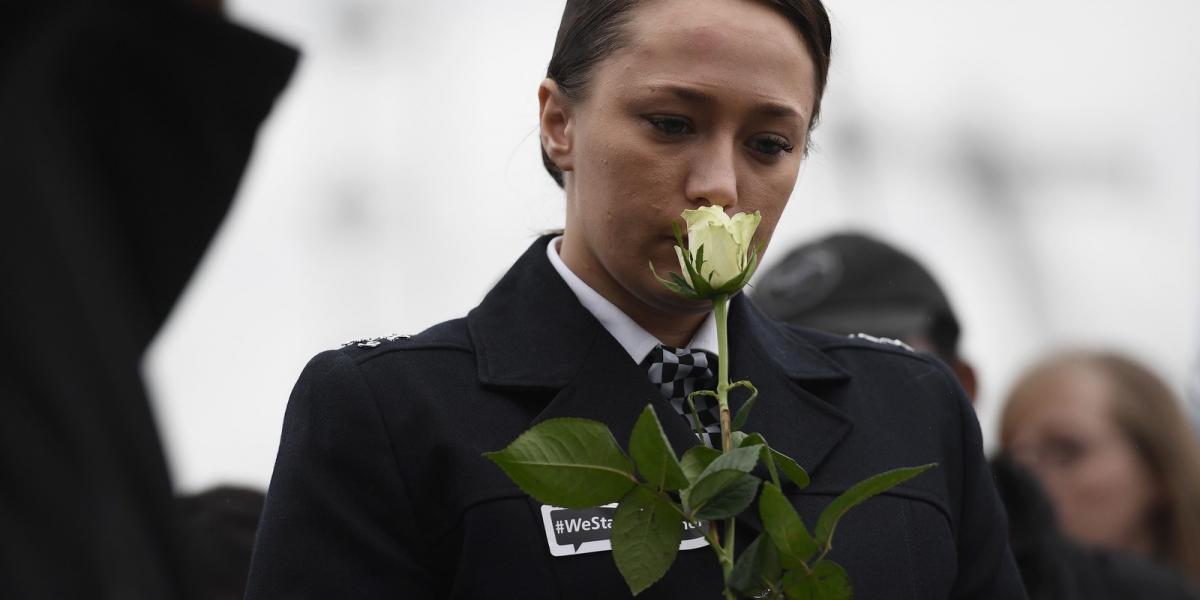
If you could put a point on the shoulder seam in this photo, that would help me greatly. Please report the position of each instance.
(873, 347)
(376, 353)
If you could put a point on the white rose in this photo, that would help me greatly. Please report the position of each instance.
(726, 244)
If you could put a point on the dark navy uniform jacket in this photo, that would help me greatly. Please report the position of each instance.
(380, 489)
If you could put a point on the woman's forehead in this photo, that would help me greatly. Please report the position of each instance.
(712, 28)
(715, 43)
(1067, 394)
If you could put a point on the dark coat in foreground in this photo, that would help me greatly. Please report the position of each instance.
(124, 129)
(380, 489)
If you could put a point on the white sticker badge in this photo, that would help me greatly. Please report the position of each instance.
(572, 531)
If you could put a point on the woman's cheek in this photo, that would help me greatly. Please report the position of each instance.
(1072, 490)
(644, 168)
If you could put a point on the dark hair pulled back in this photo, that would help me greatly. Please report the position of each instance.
(591, 30)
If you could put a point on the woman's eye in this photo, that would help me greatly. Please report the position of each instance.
(770, 145)
(671, 125)
(1064, 453)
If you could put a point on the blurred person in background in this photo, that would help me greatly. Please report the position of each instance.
(1113, 447)
(853, 284)
(218, 528)
(1193, 397)
(124, 130)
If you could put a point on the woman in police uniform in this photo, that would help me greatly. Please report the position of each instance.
(648, 108)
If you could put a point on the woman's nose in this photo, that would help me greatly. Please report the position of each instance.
(713, 177)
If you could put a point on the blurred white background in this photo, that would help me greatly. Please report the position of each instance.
(1041, 157)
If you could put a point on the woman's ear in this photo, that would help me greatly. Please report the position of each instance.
(966, 377)
(555, 121)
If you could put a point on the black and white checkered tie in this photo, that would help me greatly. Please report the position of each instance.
(677, 372)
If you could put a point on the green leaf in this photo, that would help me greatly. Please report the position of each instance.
(773, 458)
(752, 267)
(743, 413)
(679, 280)
(674, 286)
(696, 459)
(742, 440)
(827, 581)
(757, 565)
(791, 469)
(859, 493)
(701, 285)
(785, 527)
(645, 537)
(653, 454)
(739, 438)
(731, 501)
(737, 459)
(756, 439)
(718, 475)
(569, 462)
(681, 289)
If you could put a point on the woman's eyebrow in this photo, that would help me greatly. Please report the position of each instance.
(767, 107)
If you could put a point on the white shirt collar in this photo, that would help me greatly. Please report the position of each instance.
(636, 341)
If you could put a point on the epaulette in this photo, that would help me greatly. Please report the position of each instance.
(376, 341)
(881, 340)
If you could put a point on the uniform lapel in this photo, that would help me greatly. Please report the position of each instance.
(786, 369)
(531, 332)
(612, 389)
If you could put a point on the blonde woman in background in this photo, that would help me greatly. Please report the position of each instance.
(1114, 450)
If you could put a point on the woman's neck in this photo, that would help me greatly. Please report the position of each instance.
(671, 327)
(677, 334)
